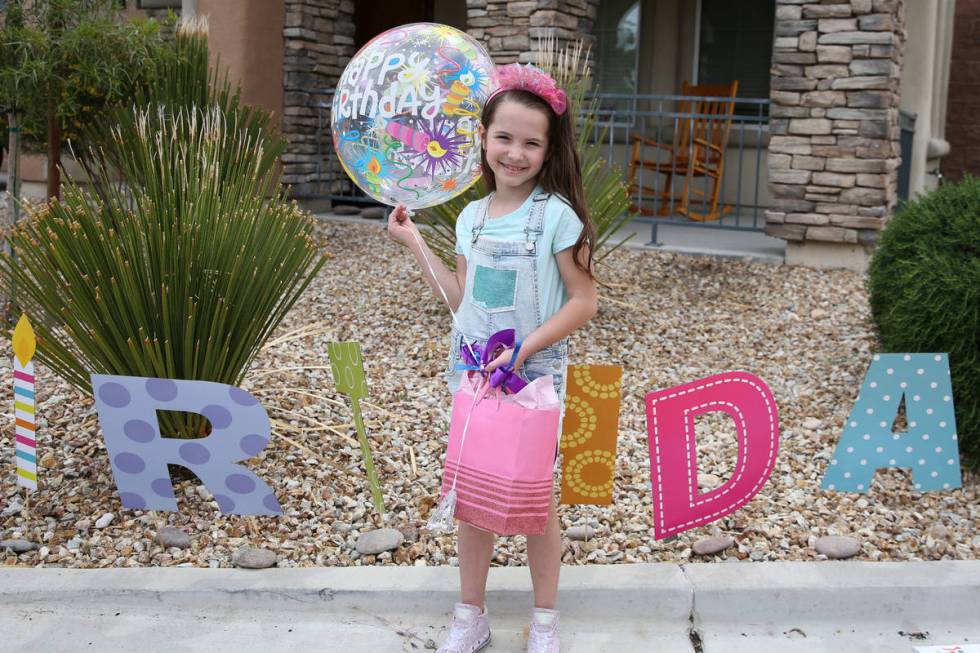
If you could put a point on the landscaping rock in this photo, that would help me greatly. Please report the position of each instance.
(382, 539)
(711, 545)
(249, 557)
(168, 537)
(104, 520)
(411, 533)
(838, 547)
(17, 546)
(812, 424)
(708, 481)
(762, 322)
(345, 209)
(580, 532)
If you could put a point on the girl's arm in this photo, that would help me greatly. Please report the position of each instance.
(402, 230)
(581, 307)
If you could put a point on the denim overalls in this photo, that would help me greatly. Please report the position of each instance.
(502, 293)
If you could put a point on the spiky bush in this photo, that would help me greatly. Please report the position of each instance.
(924, 284)
(183, 276)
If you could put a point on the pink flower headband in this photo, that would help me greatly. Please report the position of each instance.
(534, 80)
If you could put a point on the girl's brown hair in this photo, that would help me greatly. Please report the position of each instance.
(561, 172)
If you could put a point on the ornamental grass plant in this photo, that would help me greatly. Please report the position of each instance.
(186, 258)
(924, 286)
(605, 191)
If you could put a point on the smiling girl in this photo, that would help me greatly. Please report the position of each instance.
(523, 262)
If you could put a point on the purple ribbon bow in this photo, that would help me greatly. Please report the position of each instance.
(502, 377)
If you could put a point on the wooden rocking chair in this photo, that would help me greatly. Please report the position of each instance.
(697, 150)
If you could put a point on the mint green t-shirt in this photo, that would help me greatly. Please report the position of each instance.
(561, 230)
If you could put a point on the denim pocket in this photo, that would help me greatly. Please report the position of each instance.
(494, 289)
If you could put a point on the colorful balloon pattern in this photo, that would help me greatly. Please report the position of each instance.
(406, 112)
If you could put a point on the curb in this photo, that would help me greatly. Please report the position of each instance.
(942, 592)
(834, 594)
(659, 591)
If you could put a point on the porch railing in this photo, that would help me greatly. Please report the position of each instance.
(620, 119)
(741, 197)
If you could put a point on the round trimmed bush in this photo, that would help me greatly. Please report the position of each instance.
(924, 284)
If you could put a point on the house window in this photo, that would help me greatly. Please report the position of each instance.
(617, 44)
(735, 42)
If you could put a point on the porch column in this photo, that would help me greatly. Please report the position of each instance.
(834, 148)
(509, 29)
(318, 41)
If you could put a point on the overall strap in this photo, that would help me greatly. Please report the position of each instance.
(482, 209)
(534, 225)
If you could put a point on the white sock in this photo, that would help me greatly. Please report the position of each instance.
(544, 616)
(465, 611)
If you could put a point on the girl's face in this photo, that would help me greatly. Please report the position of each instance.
(516, 145)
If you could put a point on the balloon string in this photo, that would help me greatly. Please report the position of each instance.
(445, 298)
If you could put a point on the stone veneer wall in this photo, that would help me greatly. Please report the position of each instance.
(834, 147)
(319, 41)
(510, 29)
(964, 94)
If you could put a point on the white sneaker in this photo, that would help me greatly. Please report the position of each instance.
(542, 637)
(470, 631)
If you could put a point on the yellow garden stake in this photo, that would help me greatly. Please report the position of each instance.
(348, 373)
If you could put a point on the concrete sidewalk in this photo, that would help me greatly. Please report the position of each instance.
(732, 608)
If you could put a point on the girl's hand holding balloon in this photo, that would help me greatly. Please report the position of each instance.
(401, 229)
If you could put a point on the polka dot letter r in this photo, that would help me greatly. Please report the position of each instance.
(139, 455)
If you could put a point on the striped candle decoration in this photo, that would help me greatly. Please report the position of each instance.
(26, 438)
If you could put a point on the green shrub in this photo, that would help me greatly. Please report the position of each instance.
(924, 284)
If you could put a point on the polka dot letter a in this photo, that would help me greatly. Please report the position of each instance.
(588, 439)
(139, 456)
(929, 447)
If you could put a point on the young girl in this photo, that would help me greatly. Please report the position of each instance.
(523, 261)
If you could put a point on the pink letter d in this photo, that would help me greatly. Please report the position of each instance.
(677, 505)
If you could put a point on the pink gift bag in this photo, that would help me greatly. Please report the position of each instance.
(501, 462)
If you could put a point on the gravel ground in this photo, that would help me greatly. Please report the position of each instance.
(666, 318)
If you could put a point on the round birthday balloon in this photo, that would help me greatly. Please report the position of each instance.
(406, 111)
